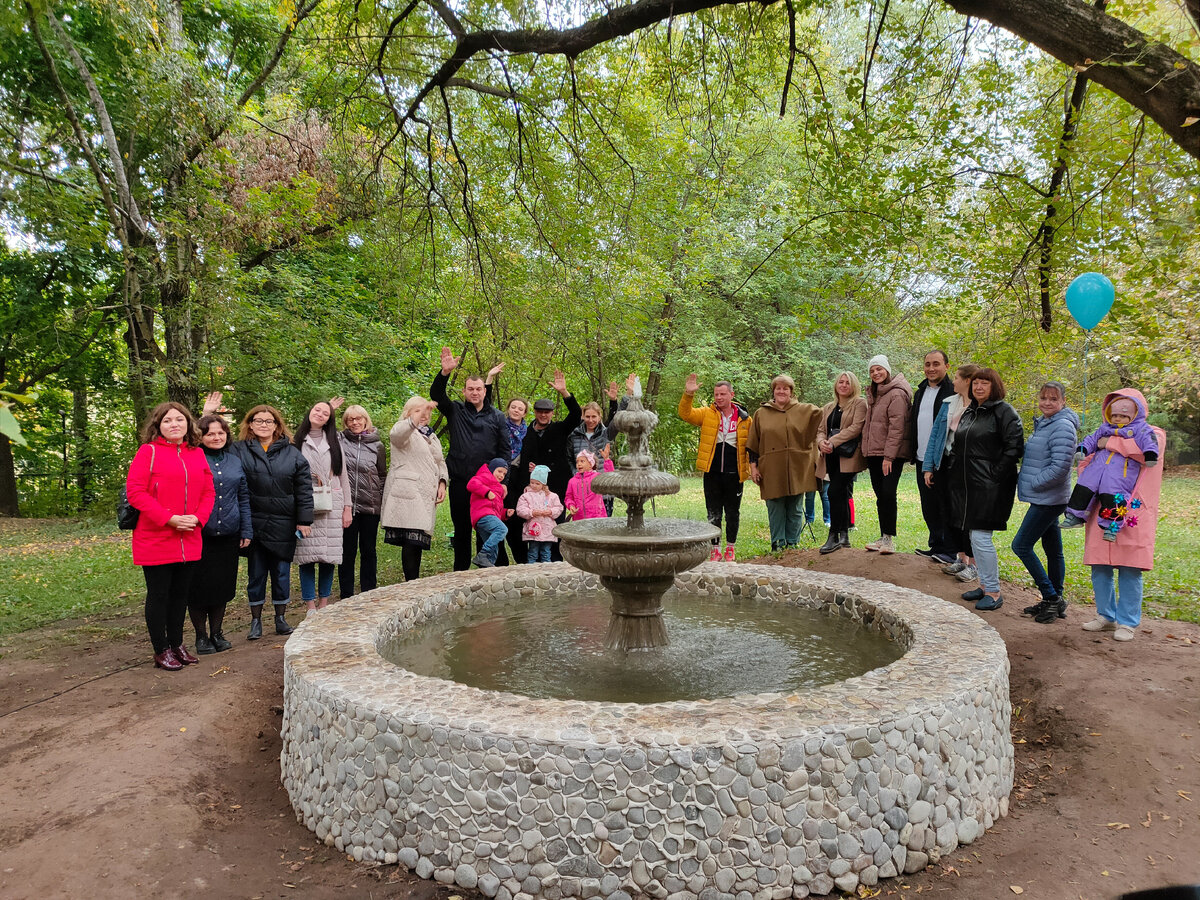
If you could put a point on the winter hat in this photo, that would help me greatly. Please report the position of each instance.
(588, 455)
(497, 463)
(541, 474)
(880, 360)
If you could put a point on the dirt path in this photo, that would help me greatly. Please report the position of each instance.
(117, 780)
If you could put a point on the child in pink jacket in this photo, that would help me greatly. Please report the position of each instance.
(487, 492)
(581, 501)
(539, 507)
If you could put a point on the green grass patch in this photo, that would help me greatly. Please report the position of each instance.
(55, 569)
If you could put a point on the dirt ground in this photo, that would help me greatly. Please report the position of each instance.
(118, 780)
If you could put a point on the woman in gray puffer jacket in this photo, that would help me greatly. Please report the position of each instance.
(365, 459)
(1045, 484)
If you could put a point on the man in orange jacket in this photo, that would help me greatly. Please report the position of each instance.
(721, 457)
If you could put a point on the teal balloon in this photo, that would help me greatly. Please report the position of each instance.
(1089, 298)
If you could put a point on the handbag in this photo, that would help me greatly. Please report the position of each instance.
(127, 513)
(846, 449)
(322, 496)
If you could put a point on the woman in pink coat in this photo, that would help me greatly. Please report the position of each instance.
(1117, 565)
(171, 486)
(580, 500)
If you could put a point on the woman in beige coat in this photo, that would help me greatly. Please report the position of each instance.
(782, 464)
(839, 438)
(416, 484)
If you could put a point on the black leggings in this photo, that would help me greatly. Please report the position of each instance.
(168, 588)
(362, 534)
(841, 489)
(410, 561)
(885, 487)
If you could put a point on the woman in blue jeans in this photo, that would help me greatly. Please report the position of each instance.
(1045, 484)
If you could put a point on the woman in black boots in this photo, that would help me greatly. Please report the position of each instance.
(281, 507)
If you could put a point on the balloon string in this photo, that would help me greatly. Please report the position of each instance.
(1086, 342)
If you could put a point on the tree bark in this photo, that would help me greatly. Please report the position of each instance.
(84, 463)
(658, 351)
(8, 480)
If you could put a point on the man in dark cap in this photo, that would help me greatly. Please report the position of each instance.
(547, 443)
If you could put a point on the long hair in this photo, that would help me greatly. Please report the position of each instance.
(855, 385)
(331, 437)
(150, 429)
(281, 429)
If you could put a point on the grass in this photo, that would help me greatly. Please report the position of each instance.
(56, 569)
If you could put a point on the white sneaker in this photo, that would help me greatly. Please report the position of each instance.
(887, 544)
(1102, 624)
(874, 545)
(954, 568)
(968, 573)
(1123, 633)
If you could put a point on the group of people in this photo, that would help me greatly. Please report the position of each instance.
(967, 443)
(319, 496)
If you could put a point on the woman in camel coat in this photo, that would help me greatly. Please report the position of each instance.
(416, 484)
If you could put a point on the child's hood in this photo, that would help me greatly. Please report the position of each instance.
(1127, 394)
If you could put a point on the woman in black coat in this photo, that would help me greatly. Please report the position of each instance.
(281, 506)
(982, 478)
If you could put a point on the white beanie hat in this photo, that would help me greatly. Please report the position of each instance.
(880, 360)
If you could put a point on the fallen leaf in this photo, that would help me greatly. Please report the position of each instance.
(1190, 120)
(1116, 825)
(1016, 889)
(1095, 733)
(236, 806)
(1146, 824)
(1104, 873)
(1186, 795)
(183, 729)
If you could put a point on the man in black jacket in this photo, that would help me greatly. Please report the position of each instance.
(477, 434)
(927, 402)
(546, 443)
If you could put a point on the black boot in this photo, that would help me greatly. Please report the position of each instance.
(220, 644)
(204, 646)
(1054, 610)
(255, 624)
(281, 625)
(832, 542)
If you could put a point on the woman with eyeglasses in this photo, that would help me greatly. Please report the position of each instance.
(281, 507)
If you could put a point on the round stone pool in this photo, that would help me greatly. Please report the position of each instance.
(770, 794)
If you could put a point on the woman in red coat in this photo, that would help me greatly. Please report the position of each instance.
(170, 484)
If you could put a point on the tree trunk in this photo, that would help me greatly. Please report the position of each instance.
(658, 351)
(8, 480)
(84, 463)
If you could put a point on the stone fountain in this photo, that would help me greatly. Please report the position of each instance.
(637, 561)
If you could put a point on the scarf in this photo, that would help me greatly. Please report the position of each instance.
(516, 436)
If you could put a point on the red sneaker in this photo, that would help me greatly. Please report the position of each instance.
(715, 556)
(166, 660)
(184, 655)
(730, 556)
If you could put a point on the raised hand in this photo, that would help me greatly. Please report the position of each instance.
(211, 403)
(449, 361)
(613, 390)
(493, 372)
(559, 382)
(604, 454)
(692, 384)
(630, 381)
(336, 403)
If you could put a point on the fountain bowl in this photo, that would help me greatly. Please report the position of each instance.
(779, 794)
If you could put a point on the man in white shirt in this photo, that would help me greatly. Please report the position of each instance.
(931, 392)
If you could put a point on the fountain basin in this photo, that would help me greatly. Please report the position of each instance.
(791, 794)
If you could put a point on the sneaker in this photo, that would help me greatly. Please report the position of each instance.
(482, 561)
(921, 551)
(945, 559)
(987, 602)
(887, 544)
(967, 573)
(953, 568)
(730, 554)
(874, 545)
(1100, 624)
(973, 595)
(1054, 609)
(1037, 608)
(715, 556)
(1070, 520)
(1123, 633)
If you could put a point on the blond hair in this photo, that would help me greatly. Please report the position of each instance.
(355, 410)
(855, 384)
(412, 405)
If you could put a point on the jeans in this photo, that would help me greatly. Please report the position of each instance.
(316, 579)
(885, 487)
(810, 504)
(1125, 609)
(263, 562)
(841, 489)
(493, 532)
(785, 520)
(987, 562)
(1041, 523)
(723, 495)
(168, 587)
(538, 551)
(361, 535)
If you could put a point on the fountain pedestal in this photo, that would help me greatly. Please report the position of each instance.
(637, 560)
